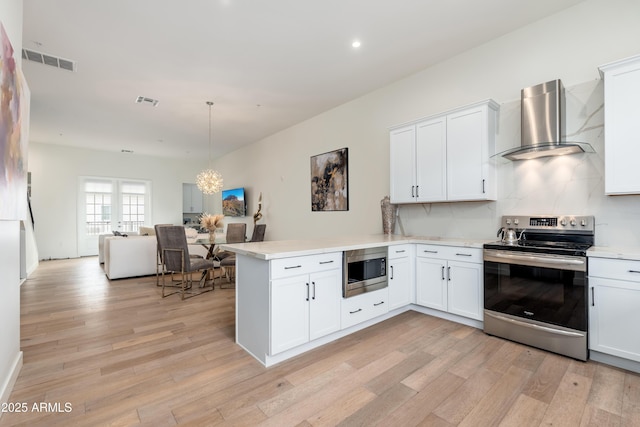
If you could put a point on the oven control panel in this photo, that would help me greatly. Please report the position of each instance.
(555, 223)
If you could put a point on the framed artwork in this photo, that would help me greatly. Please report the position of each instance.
(14, 125)
(330, 181)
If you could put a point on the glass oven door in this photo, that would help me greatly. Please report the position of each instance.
(540, 287)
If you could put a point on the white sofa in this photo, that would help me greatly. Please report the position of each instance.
(136, 255)
(129, 256)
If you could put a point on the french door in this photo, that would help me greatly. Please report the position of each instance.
(110, 204)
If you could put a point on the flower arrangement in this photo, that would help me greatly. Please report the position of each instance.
(211, 222)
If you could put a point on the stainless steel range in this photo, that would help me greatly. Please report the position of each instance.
(535, 282)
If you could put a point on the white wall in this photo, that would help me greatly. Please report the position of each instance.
(569, 45)
(10, 354)
(54, 182)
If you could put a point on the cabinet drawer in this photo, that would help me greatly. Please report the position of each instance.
(620, 269)
(364, 307)
(287, 267)
(454, 253)
(399, 251)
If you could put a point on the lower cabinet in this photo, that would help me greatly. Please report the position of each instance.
(450, 279)
(400, 276)
(304, 308)
(363, 307)
(614, 302)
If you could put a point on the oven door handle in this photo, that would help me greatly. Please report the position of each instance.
(534, 326)
(576, 264)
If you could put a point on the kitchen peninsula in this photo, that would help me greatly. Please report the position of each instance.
(289, 293)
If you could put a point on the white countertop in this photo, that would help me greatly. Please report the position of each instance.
(268, 250)
(631, 253)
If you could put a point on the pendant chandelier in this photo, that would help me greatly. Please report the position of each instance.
(209, 181)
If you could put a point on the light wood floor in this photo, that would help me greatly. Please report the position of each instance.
(120, 355)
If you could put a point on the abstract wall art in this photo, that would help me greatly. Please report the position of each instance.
(330, 181)
(14, 128)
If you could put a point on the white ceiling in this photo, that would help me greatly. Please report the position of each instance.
(266, 64)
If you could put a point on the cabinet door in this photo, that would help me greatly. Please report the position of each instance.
(466, 146)
(399, 282)
(431, 160)
(431, 286)
(621, 127)
(191, 199)
(289, 313)
(324, 304)
(612, 312)
(402, 165)
(465, 293)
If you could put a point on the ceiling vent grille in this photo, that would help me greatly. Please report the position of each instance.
(43, 58)
(145, 100)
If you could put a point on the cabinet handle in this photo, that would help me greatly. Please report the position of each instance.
(463, 254)
(314, 290)
(483, 186)
(634, 271)
(429, 252)
(380, 303)
(443, 272)
(293, 266)
(593, 298)
(417, 190)
(449, 273)
(307, 291)
(391, 267)
(400, 252)
(326, 262)
(412, 193)
(353, 312)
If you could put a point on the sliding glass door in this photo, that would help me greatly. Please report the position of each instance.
(110, 204)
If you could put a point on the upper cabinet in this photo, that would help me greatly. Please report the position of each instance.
(621, 126)
(445, 157)
(191, 199)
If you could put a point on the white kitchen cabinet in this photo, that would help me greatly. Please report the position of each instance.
(449, 278)
(614, 307)
(363, 307)
(305, 299)
(400, 276)
(621, 126)
(191, 199)
(445, 157)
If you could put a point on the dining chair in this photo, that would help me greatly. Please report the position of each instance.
(258, 233)
(175, 259)
(236, 233)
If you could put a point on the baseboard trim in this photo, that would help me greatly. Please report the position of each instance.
(7, 386)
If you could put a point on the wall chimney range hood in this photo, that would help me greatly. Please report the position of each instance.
(543, 124)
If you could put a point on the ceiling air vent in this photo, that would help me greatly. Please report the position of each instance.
(145, 100)
(54, 61)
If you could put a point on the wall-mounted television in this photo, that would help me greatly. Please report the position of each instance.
(233, 202)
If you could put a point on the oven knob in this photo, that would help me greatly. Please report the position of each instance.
(563, 222)
(508, 221)
(516, 221)
(573, 222)
(583, 223)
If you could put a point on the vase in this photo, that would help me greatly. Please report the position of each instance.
(388, 215)
(212, 235)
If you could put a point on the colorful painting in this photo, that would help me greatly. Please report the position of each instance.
(330, 181)
(14, 125)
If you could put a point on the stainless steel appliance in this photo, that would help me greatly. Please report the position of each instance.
(542, 110)
(365, 270)
(535, 289)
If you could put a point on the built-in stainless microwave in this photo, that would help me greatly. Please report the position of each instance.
(365, 270)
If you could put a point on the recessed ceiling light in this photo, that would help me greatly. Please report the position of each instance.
(356, 44)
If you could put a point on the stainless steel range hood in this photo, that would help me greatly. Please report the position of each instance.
(543, 124)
